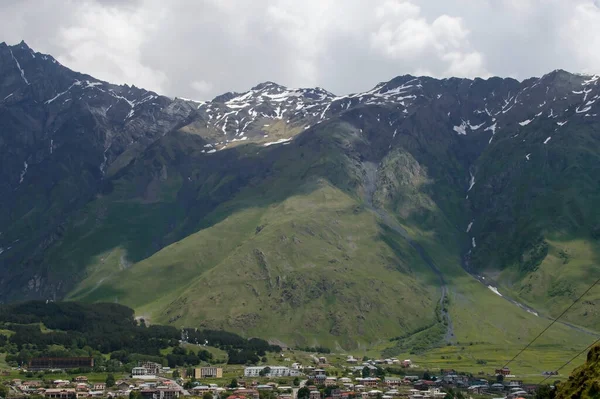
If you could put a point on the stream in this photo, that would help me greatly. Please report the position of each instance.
(370, 186)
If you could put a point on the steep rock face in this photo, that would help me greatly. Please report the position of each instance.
(584, 382)
(62, 133)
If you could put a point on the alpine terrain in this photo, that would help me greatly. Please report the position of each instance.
(419, 214)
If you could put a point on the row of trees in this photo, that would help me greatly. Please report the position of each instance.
(76, 329)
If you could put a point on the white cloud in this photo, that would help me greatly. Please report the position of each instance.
(191, 49)
(201, 86)
(405, 35)
(105, 42)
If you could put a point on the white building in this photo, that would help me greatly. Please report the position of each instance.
(136, 371)
(274, 371)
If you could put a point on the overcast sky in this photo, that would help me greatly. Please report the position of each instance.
(200, 48)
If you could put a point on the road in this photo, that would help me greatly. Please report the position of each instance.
(295, 390)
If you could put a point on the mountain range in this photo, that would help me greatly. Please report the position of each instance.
(421, 212)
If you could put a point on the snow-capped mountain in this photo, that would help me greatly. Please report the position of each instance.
(483, 167)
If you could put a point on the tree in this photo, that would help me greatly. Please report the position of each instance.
(207, 395)
(3, 391)
(263, 359)
(135, 395)
(296, 381)
(366, 372)
(233, 384)
(303, 393)
(380, 373)
(110, 380)
(500, 378)
(545, 392)
(264, 372)
(426, 375)
(176, 374)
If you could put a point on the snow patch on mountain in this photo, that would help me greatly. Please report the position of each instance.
(76, 83)
(280, 141)
(526, 122)
(472, 182)
(19, 67)
(23, 172)
(461, 129)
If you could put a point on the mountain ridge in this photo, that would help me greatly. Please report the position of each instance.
(108, 190)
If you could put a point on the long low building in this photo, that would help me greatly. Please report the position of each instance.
(208, 372)
(271, 371)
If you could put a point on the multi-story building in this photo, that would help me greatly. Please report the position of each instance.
(64, 393)
(137, 371)
(272, 371)
(153, 368)
(208, 372)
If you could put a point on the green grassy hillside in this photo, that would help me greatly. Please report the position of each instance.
(584, 382)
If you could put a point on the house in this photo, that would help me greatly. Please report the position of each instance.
(99, 386)
(165, 392)
(315, 395)
(119, 393)
(513, 384)
(81, 378)
(320, 379)
(433, 393)
(201, 390)
(265, 387)
(32, 384)
(477, 389)
(122, 386)
(503, 371)
(208, 372)
(82, 386)
(351, 360)
(318, 372)
(368, 381)
(60, 393)
(336, 394)
(248, 393)
(330, 381)
(392, 382)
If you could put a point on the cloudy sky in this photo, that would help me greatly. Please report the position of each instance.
(200, 48)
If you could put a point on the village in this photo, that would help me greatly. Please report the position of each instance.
(364, 379)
